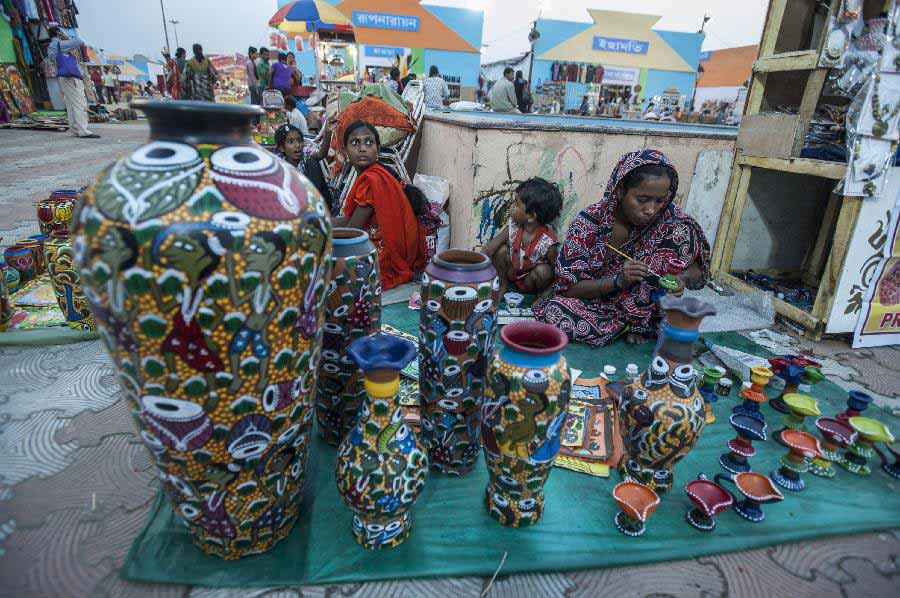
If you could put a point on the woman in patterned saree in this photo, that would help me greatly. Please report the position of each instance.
(600, 295)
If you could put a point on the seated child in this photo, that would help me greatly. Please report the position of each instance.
(289, 146)
(524, 253)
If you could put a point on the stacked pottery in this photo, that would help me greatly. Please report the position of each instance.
(5, 307)
(66, 285)
(522, 417)
(457, 323)
(55, 212)
(662, 414)
(36, 247)
(203, 258)
(353, 310)
(21, 259)
(381, 466)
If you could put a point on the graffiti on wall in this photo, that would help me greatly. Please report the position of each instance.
(562, 164)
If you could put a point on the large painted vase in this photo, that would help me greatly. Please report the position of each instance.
(204, 259)
(523, 414)
(457, 326)
(662, 414)
(381, 465)
(353, 310)
(55, 212)
(65, 281)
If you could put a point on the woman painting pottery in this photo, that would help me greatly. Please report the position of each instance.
(600, 295)
(379, 204)
(199, 77)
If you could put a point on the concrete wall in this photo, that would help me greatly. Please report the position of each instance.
(484, 166)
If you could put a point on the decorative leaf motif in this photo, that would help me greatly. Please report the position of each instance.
(194, 386)
(154, 366)
(207, 199)
(288, 317)
(249, 281)
(234, 320)
(138, 281)
(287, 277)
(217, 286)
(145, 231)
(250, 366)
(152, 325)
(283, 359)
(243, 405)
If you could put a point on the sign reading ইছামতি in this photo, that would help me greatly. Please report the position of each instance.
(626, 46)
(381, 20)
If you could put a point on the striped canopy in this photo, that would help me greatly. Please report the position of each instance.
(304, 16)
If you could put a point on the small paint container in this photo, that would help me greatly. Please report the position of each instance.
(609, 371)
(723, 387)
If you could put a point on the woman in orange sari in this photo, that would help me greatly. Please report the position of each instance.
(380, 205)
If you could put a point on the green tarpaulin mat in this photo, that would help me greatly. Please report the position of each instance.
(454, 536)
(36, 337)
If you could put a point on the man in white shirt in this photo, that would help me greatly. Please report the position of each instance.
(70, 83)
(503, 95)
(295, 117)
(435, 89)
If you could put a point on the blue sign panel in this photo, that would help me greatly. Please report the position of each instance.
(381, 20)
(384, 51)
(704, 56)
(626, 46)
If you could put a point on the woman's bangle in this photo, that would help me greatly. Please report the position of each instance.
(616, 285)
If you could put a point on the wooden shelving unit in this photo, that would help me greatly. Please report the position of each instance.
(770, 141)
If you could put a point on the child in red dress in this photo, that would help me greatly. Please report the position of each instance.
(525, 251)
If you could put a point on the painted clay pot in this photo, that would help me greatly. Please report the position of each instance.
(12, 278)
(522, 417)
(5, 306)
(203, 258)
(36, 244)
(352, 310)
(457, 324)
(55, 212)
(662, 414)
(21, 259)
(66, 285)
(381, 464)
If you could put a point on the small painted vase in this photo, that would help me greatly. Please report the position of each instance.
(709, 500)
(21, 258)
(36, 247)
(64, 278)
(755, 395)
(857, 402)
(835, 435)
(352, 310)
(801, 407)
(40, 238)
(741, 447)
(457, 326)
(662, 415)
(381, 466)
(637, 502)
(707, 390)
(5, 306)
(55, 212)
(522, 418)
(757, 490)
(801, 446)
(869, 431)
(12, 278)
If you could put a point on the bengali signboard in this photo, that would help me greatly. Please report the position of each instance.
(879, 318)
(381, 20)
(620, 75)
(384, 51)
(625, 46)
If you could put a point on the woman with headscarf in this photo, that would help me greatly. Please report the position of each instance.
(199, 77)
(600, 295)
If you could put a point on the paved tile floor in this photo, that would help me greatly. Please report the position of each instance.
(75, 483)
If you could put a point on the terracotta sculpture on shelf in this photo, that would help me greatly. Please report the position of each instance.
(662, 414)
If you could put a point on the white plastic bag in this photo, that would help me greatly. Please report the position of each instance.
(437, 191)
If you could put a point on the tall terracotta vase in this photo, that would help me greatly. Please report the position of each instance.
(66, 285)
(353, 310)
(381, 465)
(204, 260)
(522, 417)
(457, 325)
(662, 414)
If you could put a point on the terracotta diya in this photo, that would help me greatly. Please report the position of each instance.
(801, 445)
(857, 402)
(748, 429)
(791, 374)
(709, 499)
(892, 469)
(835, 435)
(801, 407)
(869, 431)
(637, 503)
(757, 489)
(755, 395)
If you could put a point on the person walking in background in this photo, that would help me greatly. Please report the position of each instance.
(503, 95)
(181, 59)
(405, 81)
(280, 75)
(435, 89)
(199, 77)
(262, 71)
(71, 85)
(97, 80)
(296, 76)
(252, 83)
(393, 80)
(109, 84)
(523, 92)
(172, 75)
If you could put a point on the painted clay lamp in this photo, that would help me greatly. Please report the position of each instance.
(755, 395)
(801, 407)
(801, 446)
(857, 402)
(637, 502)
(791, 374)
(892, 469)
(707, 390)
(748, 429)
(835, 435)
(709, 499)
(757, 489)
(869, 432)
